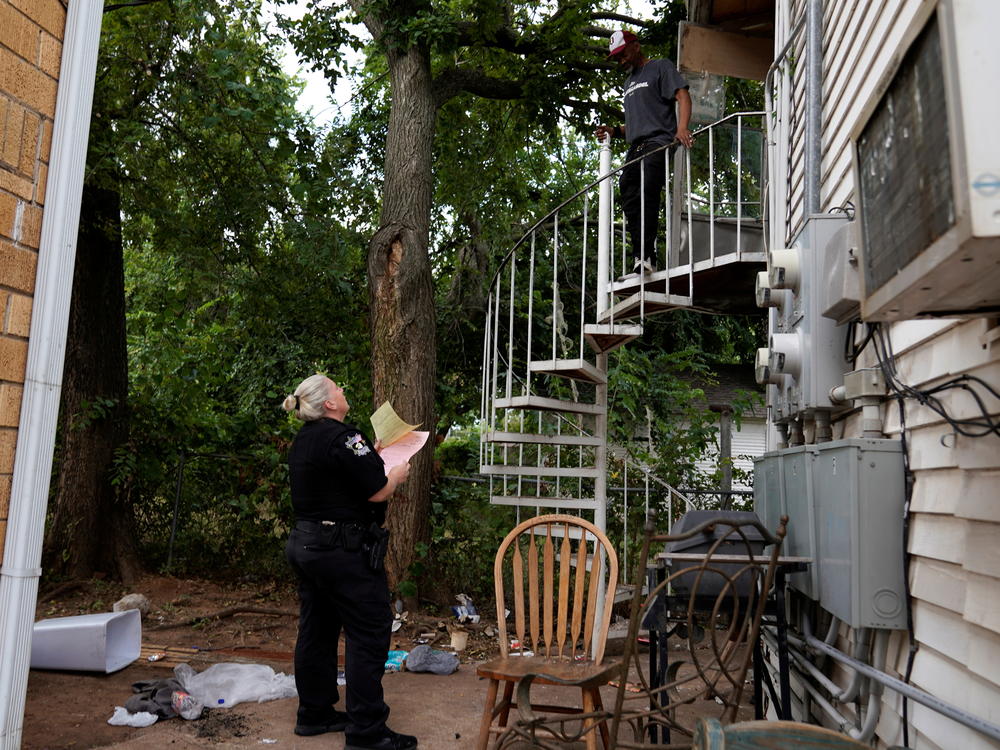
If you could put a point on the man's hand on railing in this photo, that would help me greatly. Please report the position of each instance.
(684, 137)
(605, 131)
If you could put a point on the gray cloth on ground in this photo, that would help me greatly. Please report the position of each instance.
(425, 659)
(154, 696)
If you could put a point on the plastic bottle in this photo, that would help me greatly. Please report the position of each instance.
(185, 705)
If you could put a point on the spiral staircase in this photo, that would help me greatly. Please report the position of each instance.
(562, 301)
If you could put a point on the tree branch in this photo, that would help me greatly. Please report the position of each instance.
(133, 4)
(228, 612)
(453, 81)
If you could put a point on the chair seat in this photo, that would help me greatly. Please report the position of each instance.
(547, 671)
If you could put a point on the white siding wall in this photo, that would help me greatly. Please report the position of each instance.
(748, 443)
(955, 530)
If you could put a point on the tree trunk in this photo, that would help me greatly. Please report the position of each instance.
(402, 293)
(91, 522)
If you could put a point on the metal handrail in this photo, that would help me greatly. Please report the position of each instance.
(590, 186)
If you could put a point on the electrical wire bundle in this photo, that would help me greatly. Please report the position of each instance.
(980, 426)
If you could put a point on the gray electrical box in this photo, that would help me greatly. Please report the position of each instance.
(805, 347)
(845, 501)
(783, 487)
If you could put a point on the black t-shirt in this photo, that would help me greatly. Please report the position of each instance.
(649, 99)
(334, 469)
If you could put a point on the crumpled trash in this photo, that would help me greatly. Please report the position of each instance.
(122, 718)
(426, 659)
(153, 696)
(394, 661)
(465, 611)
(225, 685)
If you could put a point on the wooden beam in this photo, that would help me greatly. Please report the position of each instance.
(706, 49)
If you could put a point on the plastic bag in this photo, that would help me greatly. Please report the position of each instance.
(225, 685)
(122, 718)
(394, 661)
(426, 659)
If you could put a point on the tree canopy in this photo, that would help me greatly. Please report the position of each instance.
(256, 248)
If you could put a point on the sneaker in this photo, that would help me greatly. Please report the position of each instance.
(644, 266)
(389, 741)
(336, 723)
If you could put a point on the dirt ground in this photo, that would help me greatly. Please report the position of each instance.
(198, 622)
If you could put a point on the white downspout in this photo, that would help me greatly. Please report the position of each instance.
(46, 349)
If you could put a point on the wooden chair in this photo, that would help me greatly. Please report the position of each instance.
(557, 574)
(709, 734)
(715, 602)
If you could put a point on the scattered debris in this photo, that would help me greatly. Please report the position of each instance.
(459, 637)
(122, 718)
(225, 685)
(630, 687)
(394, 662)
(133, 601)
(426, 659)
(466, 610)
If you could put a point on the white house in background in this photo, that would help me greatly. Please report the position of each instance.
(741, 443)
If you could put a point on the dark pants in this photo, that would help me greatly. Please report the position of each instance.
(641, 188)
(337, 590)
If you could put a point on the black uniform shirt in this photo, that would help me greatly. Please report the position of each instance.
(334, 469)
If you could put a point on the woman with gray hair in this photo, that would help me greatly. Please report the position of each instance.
(336, 548)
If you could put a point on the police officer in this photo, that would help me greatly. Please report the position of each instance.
(339, 491)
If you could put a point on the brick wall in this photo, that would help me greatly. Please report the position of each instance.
(31, 33)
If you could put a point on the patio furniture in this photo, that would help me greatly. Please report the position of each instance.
(713, 596)
(709, 734)
(557, 574)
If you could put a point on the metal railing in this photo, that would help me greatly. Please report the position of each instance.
(558, 282)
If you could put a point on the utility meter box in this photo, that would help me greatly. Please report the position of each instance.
(844, 500)
(783, 487)
(859, 491)
(805, 352)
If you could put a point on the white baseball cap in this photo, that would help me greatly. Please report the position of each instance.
(618, 41)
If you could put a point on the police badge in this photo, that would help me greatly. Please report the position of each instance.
(357, 444)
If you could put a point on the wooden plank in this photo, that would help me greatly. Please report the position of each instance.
(578, 589)
(533, 614)
(547, 586)
(593, 589)
(518, 566)
(725, 53)
(562, 621)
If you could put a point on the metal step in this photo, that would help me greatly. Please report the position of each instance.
(648, 303)
(525, 437)
(577, 369)
(634, 283)
(602, 337)
(527, 501)
(541, 403)
(583, 472)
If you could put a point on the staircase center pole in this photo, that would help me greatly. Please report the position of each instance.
(604, 231)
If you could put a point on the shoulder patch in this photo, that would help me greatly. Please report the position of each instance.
(357, 444)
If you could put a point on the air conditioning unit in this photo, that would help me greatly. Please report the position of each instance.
(928, 172)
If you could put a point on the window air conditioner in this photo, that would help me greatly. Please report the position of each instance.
(928, 172)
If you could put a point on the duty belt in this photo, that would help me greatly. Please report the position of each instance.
(307, 524)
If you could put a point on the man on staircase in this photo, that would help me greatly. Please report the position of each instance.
(651, 91)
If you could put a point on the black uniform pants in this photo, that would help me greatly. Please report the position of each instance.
(337, 590)
(641, 188)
